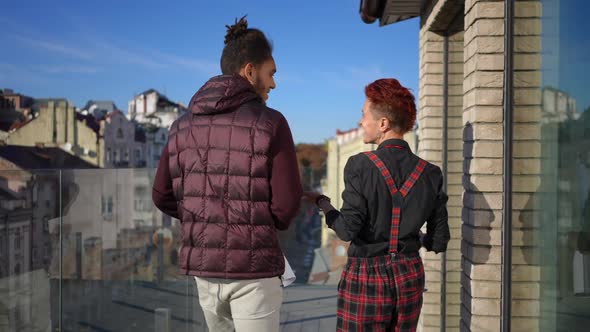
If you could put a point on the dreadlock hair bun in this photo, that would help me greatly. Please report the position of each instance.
(237, 30)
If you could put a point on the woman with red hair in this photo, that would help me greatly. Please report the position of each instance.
(388, 195)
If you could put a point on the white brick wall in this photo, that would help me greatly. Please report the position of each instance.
(430, 148)
(483, 180)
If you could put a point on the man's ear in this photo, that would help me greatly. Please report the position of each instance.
(247, 72)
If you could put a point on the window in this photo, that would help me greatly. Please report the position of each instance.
(106, 205)
(17, 240)
(110, 205)
(36, 193)
(46, 251)
(18, 317)
(157, 153)
(141, 199)
(120, 133)
(46, 224)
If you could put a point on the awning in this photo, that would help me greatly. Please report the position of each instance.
(390, 11)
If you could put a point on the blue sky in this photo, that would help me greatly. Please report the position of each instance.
(111, 50)
(572, 48)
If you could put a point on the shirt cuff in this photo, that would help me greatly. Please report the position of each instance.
(331, 217)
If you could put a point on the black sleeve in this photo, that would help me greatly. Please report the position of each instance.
(350, 219)
(437, 226)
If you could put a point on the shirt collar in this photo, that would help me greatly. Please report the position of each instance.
(394, 141)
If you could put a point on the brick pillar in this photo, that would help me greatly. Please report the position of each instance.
(430, 103)
(430, 148)
(454, 180)
(482, 181)
(526, 270)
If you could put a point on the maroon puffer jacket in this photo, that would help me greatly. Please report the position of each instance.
(220, 167)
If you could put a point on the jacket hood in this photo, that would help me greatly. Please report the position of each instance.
(222, 94)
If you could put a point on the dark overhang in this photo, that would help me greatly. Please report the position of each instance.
(390, 11)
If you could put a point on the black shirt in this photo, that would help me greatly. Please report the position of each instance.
(365, 217)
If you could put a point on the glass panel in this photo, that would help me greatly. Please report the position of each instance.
(29, 227)
(119, 256)
(552, 174)
(109, 262)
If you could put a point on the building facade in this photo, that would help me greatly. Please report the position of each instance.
(14, 109)
(99, 108)
(154, 113)
(155, 140)
(18, 101)
(154, 108)
(59, 125)
(119, 142)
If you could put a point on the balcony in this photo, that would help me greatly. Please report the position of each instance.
(65, 267)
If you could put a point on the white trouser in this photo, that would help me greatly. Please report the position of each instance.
(247, 305)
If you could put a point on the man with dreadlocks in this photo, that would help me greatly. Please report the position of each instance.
(388, 195)
(229, 173)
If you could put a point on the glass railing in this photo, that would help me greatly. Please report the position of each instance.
(86, 250)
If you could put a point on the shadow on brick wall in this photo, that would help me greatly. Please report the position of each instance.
(476, 230)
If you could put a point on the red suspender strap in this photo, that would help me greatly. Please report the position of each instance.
(413, 178)
(408, 184)
(396, 210)
(384, 171)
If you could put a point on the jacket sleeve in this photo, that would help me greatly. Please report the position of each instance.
(437, 226)
(348, 222)
(285, 182)
(162, 192)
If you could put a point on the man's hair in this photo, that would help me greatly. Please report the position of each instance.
(393, 101)
(243, 45)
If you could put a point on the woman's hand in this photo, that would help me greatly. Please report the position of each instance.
(311, 196)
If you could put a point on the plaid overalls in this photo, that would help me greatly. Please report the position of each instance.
(383, 293)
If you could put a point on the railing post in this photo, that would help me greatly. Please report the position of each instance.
(162, 320)
(160, 257)
(78, 255)
(61, 249)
